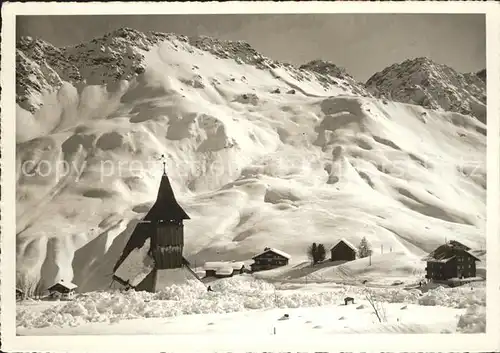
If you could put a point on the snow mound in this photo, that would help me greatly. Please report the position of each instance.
(229, 295)
(473, 321)
(458, 297)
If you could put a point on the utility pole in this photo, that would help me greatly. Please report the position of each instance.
(370, 259)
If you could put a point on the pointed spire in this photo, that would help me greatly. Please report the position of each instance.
(166, 207)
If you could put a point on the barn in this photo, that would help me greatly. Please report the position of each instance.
(343, 250)
(450, 260)
(270, 258)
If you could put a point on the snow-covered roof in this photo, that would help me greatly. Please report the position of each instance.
(443, 261)
(214, 265)
(136, 266)
(224, 271)
(276, 251)
(346, 242)
(67, 285)
(446, 252)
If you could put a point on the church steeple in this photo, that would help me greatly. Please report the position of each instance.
(166, 207)
(158, 237)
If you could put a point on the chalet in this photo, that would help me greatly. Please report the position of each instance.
(451, 260)
(63, 290)
(223, 269)
(270, 258)
(343, 251)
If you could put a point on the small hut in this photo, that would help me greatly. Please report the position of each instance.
(63, 290)
(19, 294)
(343, 251)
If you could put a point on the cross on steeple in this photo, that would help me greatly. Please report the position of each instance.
(163, 159)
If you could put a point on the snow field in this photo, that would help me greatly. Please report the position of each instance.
(305, 321)
(241, 294)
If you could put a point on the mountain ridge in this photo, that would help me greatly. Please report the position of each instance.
(117, 52)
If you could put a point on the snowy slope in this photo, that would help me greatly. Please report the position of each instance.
(259, 154)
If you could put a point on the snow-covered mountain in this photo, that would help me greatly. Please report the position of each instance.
(260, 153)
(423, 82)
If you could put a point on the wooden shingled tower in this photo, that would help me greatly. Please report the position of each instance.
(152, 258)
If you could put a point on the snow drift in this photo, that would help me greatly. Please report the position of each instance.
(232, 295)
(260, 154)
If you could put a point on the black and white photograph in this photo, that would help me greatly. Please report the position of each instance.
(268, 175)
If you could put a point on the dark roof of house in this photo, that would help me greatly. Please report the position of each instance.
(448, 251)
(61, 283)
(458, 245)
(273, 250)
(346, 242)
(166, 207)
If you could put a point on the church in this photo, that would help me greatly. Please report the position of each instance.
(152, 258)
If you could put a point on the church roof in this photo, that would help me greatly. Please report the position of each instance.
(166, 207)
(139, 235)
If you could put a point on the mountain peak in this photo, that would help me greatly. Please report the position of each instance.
(119, 55)
(423, 82)
(124, 32)
(325, 67)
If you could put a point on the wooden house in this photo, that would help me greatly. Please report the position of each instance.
(223, 269)
(63, 290)
(152, 258)
(450, 260)
(343, 251)
(268, 259)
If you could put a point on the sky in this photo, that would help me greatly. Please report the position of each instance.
(362, 43)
